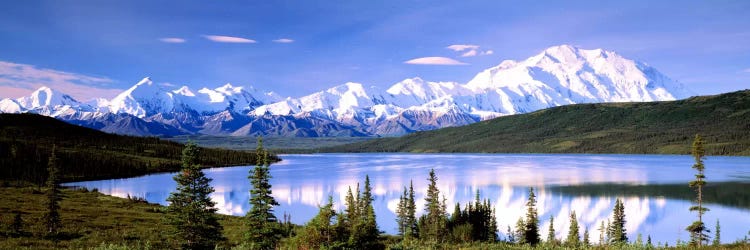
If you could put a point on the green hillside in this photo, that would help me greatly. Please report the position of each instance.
(26, 141)
(630, 128)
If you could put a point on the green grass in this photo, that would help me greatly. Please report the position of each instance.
(91, 219)
(627, 128)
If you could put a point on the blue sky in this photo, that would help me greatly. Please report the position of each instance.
(91, 47)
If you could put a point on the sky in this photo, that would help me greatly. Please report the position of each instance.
(93, 48)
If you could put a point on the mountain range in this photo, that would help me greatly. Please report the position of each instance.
(559, 75)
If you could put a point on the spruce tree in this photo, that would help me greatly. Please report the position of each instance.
(319, 233)
(263, 227)
(411, 216)
(551, 232)
(520, 233)
(191, 213)
(717, 234)
(531, 226)
(697, 229)
(602, 233)
(510, 236)
(573, 238)
(435, 217)
(586, 239)
(54, 196)
(364, 233)
(617, 230)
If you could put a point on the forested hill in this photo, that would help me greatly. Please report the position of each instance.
(630, 128)
(26, 141)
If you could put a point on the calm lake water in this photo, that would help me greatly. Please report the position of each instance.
(302, 182)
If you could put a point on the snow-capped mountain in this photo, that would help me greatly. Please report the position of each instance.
(557, 76)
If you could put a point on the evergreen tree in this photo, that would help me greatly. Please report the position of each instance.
(551, 232)
(263, 226)
(602, 233)
(54, 196)
(617, 230)
(406, 218)
(435, 218)
(364, 233)
(717, 234)
(510, 236)
(531, 226)
(573, 238)
(520, 231)
(649, 245)
(191, 213)
(586, 240)
(411, 217)
(697, 229)
(319, 232)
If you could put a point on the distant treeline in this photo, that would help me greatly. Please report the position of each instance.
(26, 141)
(624, 128)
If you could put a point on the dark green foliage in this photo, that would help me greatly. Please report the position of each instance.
(551, 232)
(531, 223)
(520, 233)
(432, 225)
(698, 229)
(725, 193)
(86, 154)
(364, 233)
(617, 233)
(406, 214)
(574, 238)
(320, 231)
(54, 196)
(717, 234)
(476, 222)
(633, 128)
(263, 227)
(191, 213)
(586, 240)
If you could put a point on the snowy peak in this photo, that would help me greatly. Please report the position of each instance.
(143, 99)
(45, 96)
(566, 74)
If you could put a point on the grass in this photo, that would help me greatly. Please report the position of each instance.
(275, 144)
(91, 220)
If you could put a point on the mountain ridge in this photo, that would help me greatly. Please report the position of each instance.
(559, 75)
(664, 127)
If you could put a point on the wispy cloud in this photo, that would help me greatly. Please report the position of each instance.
(172, 40)
(229, 39)
(283, 40)
(469, 50)
(434, 60)
(18, 80)
(462, 47)
(747, 70)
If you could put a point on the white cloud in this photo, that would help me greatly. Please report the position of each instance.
(462, 47)
(283, 40)
(172, 40)
(434, 60)
(470, 50)
(18, 80)
(469, 53)
(228, 39)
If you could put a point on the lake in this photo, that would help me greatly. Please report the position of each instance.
(586, 184)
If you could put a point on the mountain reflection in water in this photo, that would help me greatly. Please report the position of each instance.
(586, 184)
